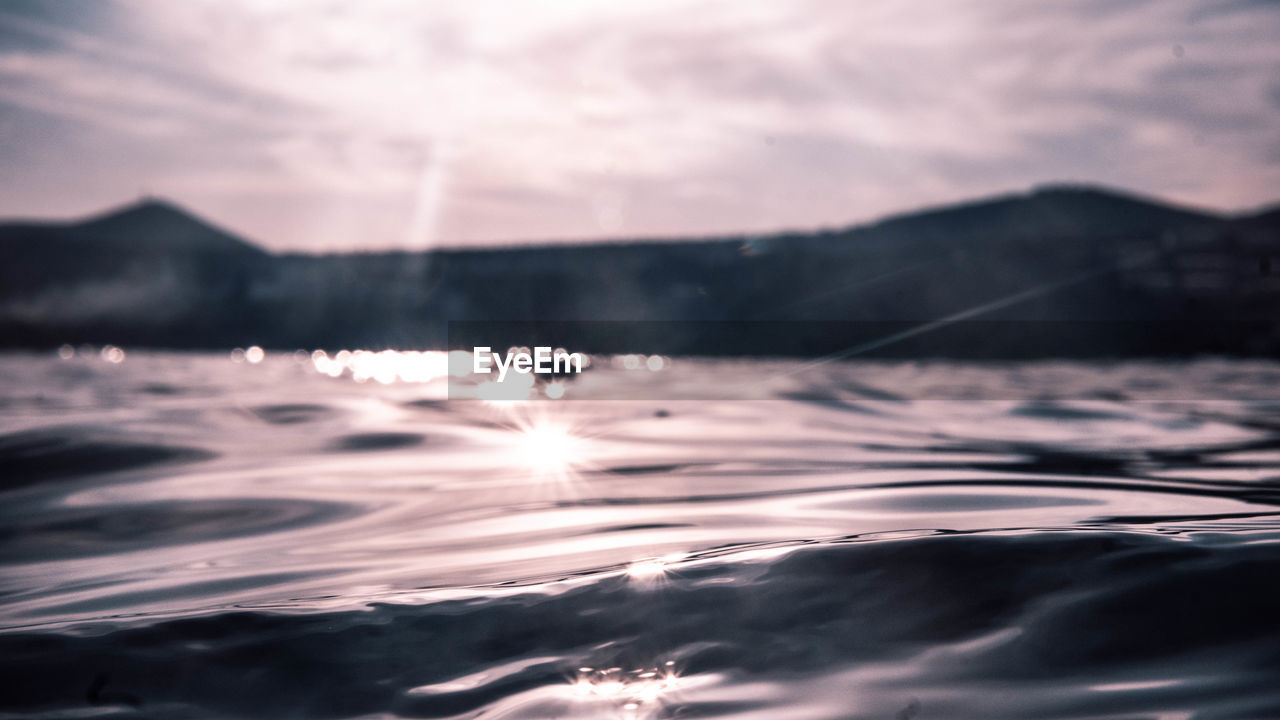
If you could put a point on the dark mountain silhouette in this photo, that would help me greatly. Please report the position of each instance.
(1062, 270)
(157, 226)
(1261, 220)
(150, 267)
(150, 229)
(1055, 211)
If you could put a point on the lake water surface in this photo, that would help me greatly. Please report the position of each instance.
(186, 536)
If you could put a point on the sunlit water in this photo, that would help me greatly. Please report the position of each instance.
(187, 536)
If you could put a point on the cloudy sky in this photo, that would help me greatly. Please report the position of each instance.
(316, 125)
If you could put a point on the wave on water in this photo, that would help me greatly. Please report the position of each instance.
(186, 537)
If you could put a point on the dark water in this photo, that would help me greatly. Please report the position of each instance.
(184, 536)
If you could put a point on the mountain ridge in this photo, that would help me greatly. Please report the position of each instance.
(158, 211)
(151, 274)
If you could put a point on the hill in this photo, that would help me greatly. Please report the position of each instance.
(1054, 211)
(148, 265)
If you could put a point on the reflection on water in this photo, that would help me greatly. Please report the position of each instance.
(309, 535)
(635, 693)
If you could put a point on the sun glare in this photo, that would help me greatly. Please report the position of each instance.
(543, 442)
(633, 694)
(386, 367)
(649, 572)
(547, 449)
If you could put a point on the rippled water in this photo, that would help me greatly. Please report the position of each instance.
(184, 536)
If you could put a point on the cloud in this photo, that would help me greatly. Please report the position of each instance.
(320, 125)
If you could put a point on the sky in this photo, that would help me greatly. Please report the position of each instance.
(314, 125)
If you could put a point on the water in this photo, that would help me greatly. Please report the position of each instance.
(184, 536)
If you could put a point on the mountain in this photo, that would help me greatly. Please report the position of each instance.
(1054, 211)
(148, 266)
(157, 226)
(1133, 274)
(147, 232)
